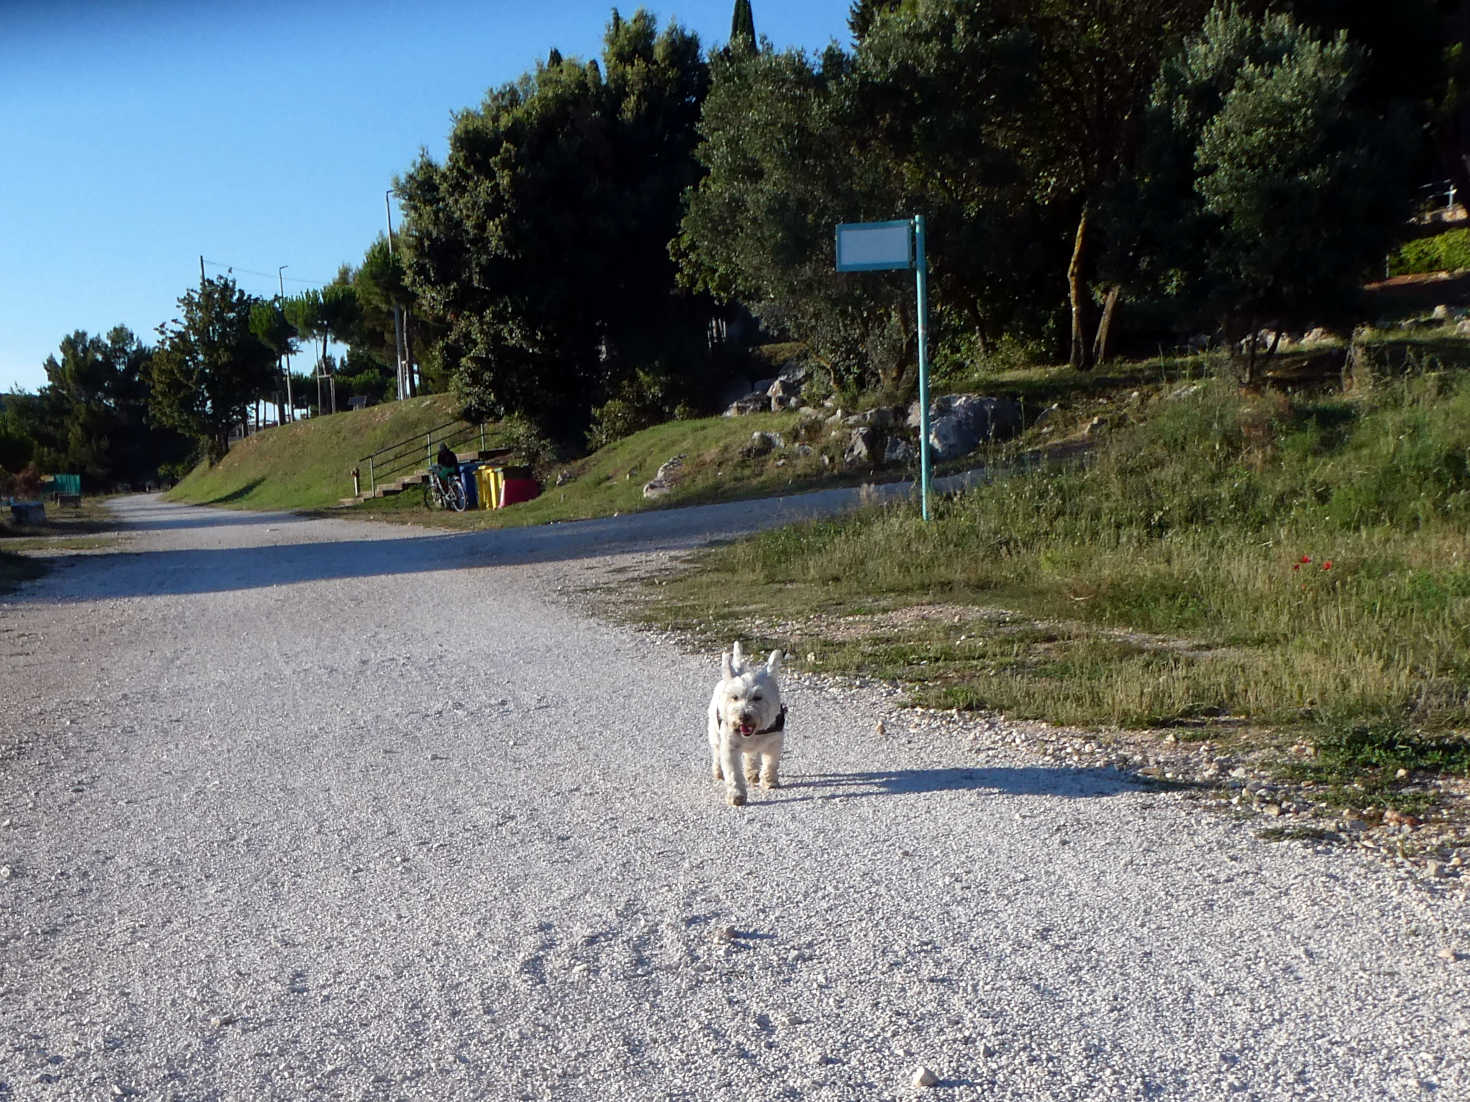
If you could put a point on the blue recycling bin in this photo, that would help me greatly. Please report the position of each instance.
(467, 480)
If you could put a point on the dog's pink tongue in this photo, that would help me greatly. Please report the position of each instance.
(747, 728)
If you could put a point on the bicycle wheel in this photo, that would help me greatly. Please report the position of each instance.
(429, 494)
(456, 496)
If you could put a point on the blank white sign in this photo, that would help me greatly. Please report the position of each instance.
(871, 246)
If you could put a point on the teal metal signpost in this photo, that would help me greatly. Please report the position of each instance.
(885, 246)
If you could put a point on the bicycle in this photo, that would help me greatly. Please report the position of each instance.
(443, 492)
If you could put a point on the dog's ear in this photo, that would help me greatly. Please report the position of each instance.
(738, 657)
(725, 666)
(773, 663)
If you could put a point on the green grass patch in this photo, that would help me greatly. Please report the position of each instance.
(308, 464)
(1260, 557)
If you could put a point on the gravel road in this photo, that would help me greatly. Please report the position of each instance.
(299, 808)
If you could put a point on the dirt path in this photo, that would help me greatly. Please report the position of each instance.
(297, 808)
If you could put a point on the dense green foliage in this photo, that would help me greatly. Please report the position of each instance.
(1267, 195)
(210, 366)
(541, 242)
(92, 418)
(792, 147)
(1441, 252)
(1112, 174)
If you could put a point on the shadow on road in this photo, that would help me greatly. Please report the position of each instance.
(153, 514)
(294, 552)
(1013, 781)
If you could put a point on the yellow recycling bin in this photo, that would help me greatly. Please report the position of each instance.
(487, 486)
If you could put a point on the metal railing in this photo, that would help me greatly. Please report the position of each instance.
(416, 451)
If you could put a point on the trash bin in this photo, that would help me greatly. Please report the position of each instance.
(467, 480)
(518, 486)
(487, 483)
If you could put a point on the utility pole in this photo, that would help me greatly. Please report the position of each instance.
(290, 405)
(201, 273)
(398, 346)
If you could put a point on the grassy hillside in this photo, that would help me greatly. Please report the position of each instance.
(308, 464)
(1235, 571)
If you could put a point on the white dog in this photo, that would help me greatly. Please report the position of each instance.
(746, 721)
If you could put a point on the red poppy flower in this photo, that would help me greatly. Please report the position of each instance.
(1327, 565)
(1306, 558)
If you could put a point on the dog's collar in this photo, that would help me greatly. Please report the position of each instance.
(779, 725)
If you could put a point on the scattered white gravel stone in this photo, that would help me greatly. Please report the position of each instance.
(923, 1077)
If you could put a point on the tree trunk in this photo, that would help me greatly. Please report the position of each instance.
(1105, 325)
(1081, 352)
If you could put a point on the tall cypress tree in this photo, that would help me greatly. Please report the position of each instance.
(862, 13)
(742, 27)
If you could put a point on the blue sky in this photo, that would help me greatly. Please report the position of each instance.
(142, 134)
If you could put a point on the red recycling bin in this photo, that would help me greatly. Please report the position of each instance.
(518, 489)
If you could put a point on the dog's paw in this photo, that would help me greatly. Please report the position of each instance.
(770, 782)
(735, 799)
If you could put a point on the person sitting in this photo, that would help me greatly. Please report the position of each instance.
(446, 461)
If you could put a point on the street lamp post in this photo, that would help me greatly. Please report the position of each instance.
(398, 350)
(290, 403)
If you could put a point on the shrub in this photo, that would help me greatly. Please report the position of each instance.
(617, 418)
(529, 442)
(1443, 252)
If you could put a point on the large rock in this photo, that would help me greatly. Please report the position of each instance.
(863, 448)
(960, 423)
(784, 394)
(897, 451)
(755, 402)
(664, 479)
(762, 443)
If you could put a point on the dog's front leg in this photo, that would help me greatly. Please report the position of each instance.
(734, 774)
(771, 764)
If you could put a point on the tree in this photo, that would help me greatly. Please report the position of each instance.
(863, 13)
(381, 287)
(209, 366)
(742, 27)
(268, 323)
(91, 417)
(1097, 62)
(540, 244)
(1270, 188)
(791, 148)
(324, 315)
